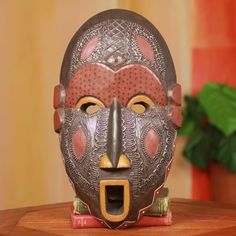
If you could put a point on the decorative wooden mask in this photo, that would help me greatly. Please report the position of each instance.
(117, 111)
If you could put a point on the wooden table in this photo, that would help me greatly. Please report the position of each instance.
(190, 218)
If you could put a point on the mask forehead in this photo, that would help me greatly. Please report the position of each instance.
(128, 81)
(117, 38)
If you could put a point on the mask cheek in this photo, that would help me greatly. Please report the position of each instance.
(79, 142)
(151, 143)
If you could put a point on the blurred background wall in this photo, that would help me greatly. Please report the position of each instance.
(34, 36)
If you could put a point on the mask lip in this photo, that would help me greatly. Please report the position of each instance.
(106, 208)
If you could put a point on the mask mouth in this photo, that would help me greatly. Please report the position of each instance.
(114, 199)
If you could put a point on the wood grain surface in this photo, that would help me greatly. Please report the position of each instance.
(190, 218)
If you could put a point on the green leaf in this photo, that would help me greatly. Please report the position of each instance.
(232, 163)
(226, 153)
(195, 149)
(201, 146)
(187, 127)
(219, 103)
(230, 92)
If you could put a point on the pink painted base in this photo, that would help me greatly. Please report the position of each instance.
(88, 221)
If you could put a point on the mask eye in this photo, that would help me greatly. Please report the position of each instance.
(140, 103)
(89, 105)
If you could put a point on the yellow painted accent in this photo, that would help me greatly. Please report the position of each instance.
(124, 162)
(98, 104)
(106, 215)
(136, 105)
(105, 162)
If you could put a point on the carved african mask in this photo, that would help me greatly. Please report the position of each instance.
(117, 111)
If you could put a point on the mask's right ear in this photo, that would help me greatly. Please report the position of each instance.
(174, 95)
(58, 104)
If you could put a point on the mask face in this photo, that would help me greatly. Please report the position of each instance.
(117, 111)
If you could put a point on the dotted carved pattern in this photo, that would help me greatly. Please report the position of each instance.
(146, 174)
(117, 46)
(101, 82)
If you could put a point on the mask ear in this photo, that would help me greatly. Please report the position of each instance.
(58, 104)
(174, 95)
(59, 96)
(58, 118)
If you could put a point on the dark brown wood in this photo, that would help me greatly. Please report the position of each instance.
(190, 218)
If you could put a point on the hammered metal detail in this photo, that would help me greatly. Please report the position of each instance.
(117, 46)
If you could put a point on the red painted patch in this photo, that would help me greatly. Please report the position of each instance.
(176, 94)
(88, 48)
(79, 142)
(101, 82)
(58, 120)
(151, 143)
(176, 116)
(59, 96)
(145, 47)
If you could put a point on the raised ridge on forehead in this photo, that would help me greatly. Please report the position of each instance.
(117, 44)
(94, 79)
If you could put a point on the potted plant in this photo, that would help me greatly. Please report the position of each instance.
(209, 120)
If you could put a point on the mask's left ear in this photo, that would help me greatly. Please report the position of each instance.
(174, 95)
(58, 104)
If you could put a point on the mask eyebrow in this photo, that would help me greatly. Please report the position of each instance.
(137, 79)
(100, 81)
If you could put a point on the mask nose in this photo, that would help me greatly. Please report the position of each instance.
(114, 157)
